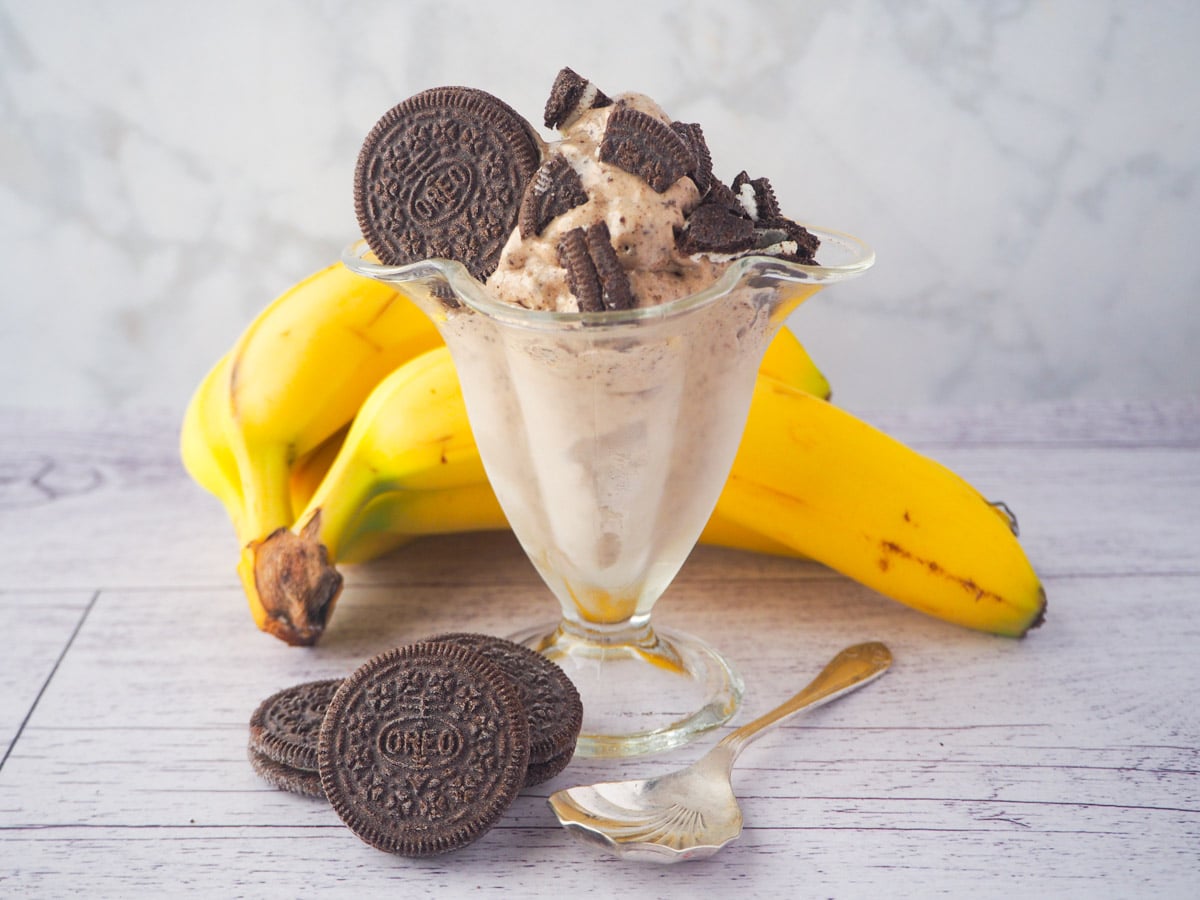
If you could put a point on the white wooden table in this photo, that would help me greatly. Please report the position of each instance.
(1062, 765)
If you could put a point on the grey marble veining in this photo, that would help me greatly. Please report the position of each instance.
(1026, 172)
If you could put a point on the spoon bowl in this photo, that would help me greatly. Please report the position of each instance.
(692, 813)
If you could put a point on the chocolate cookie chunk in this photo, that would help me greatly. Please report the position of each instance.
(442, 175)
(643, 146)
(284, 728)
(582, 280)
(715, 228)
(702, 172)
(806, 242)
(571, 95)
(550, 699)
(423, 748)
(772, 228)
(757, 197)
(594, 274)
(615, 292)
(554, 189)
(287, 778)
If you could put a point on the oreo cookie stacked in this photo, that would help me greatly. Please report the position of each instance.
(422, 748)
(283, 736)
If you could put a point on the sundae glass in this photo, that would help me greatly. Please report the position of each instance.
(607, 437)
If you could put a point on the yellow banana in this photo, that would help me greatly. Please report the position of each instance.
(298, 374)
(304, 367)
(815, 478)
(809, 479)
(391, 518)
(205, 453)
(412, 436)
(786, 360)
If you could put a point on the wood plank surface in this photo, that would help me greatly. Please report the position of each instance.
(37, 631)
(1063, 765)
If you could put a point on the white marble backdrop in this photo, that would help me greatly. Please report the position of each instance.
(1027, 172)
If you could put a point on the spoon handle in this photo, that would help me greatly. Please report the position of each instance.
(852, 668)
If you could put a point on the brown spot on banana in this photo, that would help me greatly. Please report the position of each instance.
(383, 308)
(366, 338)
(969, 585)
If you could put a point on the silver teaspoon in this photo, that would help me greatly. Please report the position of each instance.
(692, 813)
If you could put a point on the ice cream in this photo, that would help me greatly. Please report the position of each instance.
(672, 225)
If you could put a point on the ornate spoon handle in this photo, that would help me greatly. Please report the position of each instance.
(852, 668)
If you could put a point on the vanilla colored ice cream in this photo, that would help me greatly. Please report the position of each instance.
(642, 224)
(671, 225)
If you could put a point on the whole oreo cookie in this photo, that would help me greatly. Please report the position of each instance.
(285, 727)
(550, 699)
(423, 748)
(442, 175)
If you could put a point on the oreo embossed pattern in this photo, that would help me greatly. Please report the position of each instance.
(424, 748)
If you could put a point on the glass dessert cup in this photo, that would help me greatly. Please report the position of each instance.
(607, 438)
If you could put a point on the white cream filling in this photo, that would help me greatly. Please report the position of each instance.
(586, 99)
(746, 197)
(783, 248)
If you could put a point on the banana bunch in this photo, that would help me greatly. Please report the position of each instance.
(335, 430)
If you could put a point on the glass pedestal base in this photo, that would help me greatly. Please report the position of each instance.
(643, 691)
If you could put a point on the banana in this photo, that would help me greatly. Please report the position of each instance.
(788, 361)
(411, 435)
(809, 480)
(473, 508)
(816, 479)
(205, 453)
(298, 374)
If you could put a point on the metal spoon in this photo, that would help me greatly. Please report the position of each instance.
(692, 813)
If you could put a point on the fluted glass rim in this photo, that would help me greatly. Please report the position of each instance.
(854, 258)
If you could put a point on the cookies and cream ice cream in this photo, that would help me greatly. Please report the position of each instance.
(606, 443)
(625, 165)
(642, 224)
